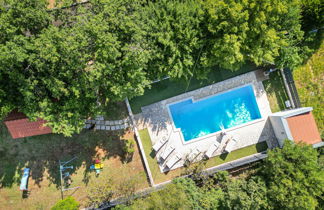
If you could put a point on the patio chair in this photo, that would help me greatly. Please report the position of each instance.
(212, 149)
(167, 152)
(193, 155)
(159, 144)
(230, 144)
(173, 160)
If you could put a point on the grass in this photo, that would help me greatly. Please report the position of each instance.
(276, 92)
(41, 154)
(159, 177)
(168, 88)
(309, 80)
(115, 111)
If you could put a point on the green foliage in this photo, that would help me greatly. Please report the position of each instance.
(290, 178)
(22, 18)
(69, 203)
(171, 197)
(172, 30)
(312, 12)
(106, 50)
(61, 73)
(259, 31)
(242, 194)
(129, 146)
(309, 82)
(100, 193)
(294, 178)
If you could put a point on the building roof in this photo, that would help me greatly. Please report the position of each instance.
(303, 128)
(19, 125)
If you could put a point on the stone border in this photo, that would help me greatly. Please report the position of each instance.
(101, 124)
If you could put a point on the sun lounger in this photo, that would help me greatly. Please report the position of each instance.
(212, 149)
(193, 155)
(24, 180)
(173, 160)
(167, 152)
(230, 144)
(159, 144)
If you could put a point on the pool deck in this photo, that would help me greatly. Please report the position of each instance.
(156, 119)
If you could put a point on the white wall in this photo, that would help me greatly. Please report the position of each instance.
(279, 129)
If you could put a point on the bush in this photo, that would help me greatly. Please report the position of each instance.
(129, 149)
(68, 203)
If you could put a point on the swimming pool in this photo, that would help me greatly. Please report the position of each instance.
(203, 117)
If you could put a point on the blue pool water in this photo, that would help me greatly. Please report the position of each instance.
(229, 109)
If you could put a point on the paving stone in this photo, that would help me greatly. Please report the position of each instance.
(103, 127)
(99, 117)
(107, 122)
(97, 127)
(120, 122)
(98, 122)
(117, 127)
(122, 127)
(113, 128)
(107, 128)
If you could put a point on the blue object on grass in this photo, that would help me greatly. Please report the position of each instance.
(24, 180)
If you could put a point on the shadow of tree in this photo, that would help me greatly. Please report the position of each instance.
(42, 154)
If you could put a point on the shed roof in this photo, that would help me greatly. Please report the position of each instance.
(19, 125)
(303, 128)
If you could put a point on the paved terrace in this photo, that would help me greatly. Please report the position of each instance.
(156, 119)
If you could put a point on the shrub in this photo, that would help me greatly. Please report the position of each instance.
(68, 203)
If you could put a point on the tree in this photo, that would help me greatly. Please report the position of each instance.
(63, 73)
(172, 31)
(312, 13)
(22, 18)
(69, 203)
(293, 176)
(100, 193)
(255, 31)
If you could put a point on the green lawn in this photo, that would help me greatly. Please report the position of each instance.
(42, 153)
(309, 80)
(276, 92)
(168, 88)
(159, 177)
(115, 111)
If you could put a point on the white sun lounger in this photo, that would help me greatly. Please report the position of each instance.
(212, 149)
(167, 152)
(193, 155)
(173, 160)
(230, 144)
(159, 144)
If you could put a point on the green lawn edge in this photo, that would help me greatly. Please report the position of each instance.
(168, 88)
(159, 177)
(276, 92)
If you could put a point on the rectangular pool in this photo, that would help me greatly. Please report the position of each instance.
(203, 117)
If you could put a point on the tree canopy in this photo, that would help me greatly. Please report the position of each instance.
(290, 178)
(294, 177)
(62, 65)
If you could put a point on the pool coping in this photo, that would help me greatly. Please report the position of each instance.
(175, 129)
